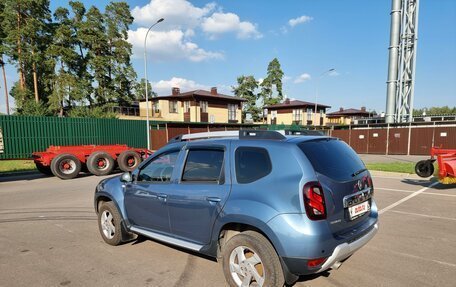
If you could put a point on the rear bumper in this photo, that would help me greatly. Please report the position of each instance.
(344, 250)
(298, 266)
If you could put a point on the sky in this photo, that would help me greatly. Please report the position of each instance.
(202, 44)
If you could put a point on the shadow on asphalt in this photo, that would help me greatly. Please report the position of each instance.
(427, 182)
(29, 176)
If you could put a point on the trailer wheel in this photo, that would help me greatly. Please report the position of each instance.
(100, 163)
(128, 160)
(43, 169)
(65, 166)
(424, 168)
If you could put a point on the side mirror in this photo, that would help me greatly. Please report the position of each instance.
(126, 177)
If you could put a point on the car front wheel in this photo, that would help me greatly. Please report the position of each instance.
(109, 223)
(249, 259)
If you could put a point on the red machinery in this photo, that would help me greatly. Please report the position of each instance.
(446, 159)
(66, 162)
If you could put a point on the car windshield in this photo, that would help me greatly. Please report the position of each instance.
(332, 158)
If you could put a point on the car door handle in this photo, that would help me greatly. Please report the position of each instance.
(162, 196)
(143, 193)
(213, 199)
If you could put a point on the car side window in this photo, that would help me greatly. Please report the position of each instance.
(159, 169)
(203, 165)
(252, 163)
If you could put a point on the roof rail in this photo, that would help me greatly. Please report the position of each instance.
(242, 134)
(304, 133)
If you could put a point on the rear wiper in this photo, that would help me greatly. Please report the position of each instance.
(358, 172)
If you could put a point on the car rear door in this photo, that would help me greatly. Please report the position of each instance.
(347, 185)
(146, 198)
(201, 191)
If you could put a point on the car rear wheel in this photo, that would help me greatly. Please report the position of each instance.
(128, 160)
(100, 163)
(248, 259)
(65, 166)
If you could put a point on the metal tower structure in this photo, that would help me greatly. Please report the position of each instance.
(402, 59)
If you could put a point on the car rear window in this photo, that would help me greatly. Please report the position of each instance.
(252, 163)
(332, 158)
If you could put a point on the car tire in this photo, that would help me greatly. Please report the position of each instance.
(424, 168)
(100, 163)
(110, 224)
(43, 169)
(128, 160)
(65, 166)
(249, 256)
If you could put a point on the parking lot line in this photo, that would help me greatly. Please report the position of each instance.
(412, 191)
(423, 215)
(407, 198)
(413, 256)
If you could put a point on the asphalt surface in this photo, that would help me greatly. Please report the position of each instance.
(49, 237)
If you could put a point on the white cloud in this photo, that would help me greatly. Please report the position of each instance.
(302, 78)
(286, 78)
(220, 23)
(334, 73)
(178, 14)
(163, 87)
(169, 45)
(299, 20)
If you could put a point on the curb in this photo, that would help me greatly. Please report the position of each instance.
(18, 173)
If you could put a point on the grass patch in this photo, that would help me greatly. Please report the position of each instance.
(16, 165)
(402, 167)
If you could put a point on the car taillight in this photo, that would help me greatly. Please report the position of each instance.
(316, 262)
(371, 184)
(314, 201)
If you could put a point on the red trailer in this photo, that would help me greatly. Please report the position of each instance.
(446, 159)
(66, 162)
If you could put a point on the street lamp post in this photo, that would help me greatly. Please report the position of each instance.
(316, 91)
(145, 76)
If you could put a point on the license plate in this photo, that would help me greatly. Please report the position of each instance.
(358, 209)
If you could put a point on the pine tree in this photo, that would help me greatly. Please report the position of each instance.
(272, 80)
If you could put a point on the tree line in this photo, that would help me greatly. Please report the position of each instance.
(74, 60)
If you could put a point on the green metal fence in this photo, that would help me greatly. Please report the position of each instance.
(23, 135)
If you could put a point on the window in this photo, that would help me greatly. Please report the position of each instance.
(297, 115)
(159, 169)
(332, 158)
(309, 114)
(203, 105)
(232, 108)
(156, 107)
(203, 165)
(173, 106)
(251, 163)
(186, 106)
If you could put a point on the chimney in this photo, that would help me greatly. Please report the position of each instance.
(287, 101)
(363, 109)
(214, 91)
(175, 91)
(341, 109)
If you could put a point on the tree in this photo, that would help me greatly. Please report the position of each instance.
(121, 74)
(246, 90)
(272, 80)
(2, 63)
(140, 90)
(445, 110)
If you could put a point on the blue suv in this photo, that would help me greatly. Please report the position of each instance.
(270, 206)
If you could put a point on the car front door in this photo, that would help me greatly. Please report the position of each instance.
(146, 197)
(200, 192)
